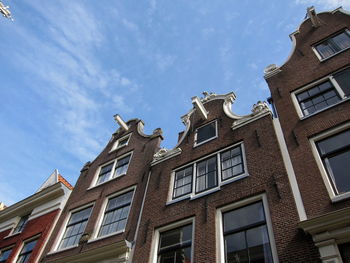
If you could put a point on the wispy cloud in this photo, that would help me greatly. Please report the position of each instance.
(78, 86)
(328, 4)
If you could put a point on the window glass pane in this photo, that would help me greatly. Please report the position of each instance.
(231, 163)
(183, 182)
(343, 79)
(26, 252)
(175, 245)
(206, 132)
(325, 50)
(339, 167)
(235, 247)
(105, 173)
(345, 252)
(116, 214)
(258, 244)
(5, 254)
(21, 224)
(206, 174)
(342, 40)
(122, 166)
(244, 216)
(75, 228)
(333, 143)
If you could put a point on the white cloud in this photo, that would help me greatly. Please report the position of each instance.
(78, 87)
(328, 4)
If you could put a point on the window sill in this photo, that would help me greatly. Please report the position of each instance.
(324, 109)
(106, 236)
(108, 181)
(12, 235)
(340, 197)
(335, 54)
(62, 250)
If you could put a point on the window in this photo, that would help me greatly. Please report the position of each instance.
(116, 214)
(335, 154)
(206, 177)
(246, 237)
(21, 224)
(75, 227)
(327, 92)
(26, 251)
(5, 254)
(207, 174)
(345, 252)
(175, 245)
(121, 142)
(333, 45)
(115, 169)
(205, 133)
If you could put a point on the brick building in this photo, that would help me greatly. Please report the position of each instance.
(253, 188)
(25, 227)
(99, 222)
(311, 95)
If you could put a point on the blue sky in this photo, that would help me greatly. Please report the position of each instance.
(68, 66)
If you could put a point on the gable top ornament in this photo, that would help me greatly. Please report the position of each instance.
(4, 10)
(259, 110)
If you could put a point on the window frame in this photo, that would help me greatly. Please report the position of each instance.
(220, 182)
(19, 251)
(100, 218)
(117, 145)
(111, 176)
(209, 139)
(13, 231)
(56, 246)
(220, 244)
(171, 226)
(6, 249)
(330, 78)
(322, 168)
(317, 53)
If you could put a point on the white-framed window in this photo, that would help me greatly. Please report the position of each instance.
(26, 251)
(333, 45)
(209, 173)
(121, 142)
(332, 152)
(21, 224)
(174, 243)
(113, 169)
(322, 94)
(244, 232)
(205, 133)
(5, 254)
(75, 227)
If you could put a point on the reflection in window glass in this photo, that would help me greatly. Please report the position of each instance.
(26, 251)
(175, 245)
(333, 45)
(206, 177)
(246, 235)
(335, 154)
(231, 163)
(116, 214)
(5, 254)
(206, 132)
(75, 228)
(183, 182)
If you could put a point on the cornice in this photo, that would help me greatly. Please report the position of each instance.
(28, 204)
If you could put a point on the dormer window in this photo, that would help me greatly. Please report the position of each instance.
(122, 142)
(21, 224)
(205, 133)
(333, 45)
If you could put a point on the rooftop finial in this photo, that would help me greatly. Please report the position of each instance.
(311, 12)
(4, 11)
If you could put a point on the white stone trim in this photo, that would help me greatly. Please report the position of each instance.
(98, 221)
(193, 195)
(220, 248)
(114, 161)
(332, 194)
(329, 78)
(290, 170)
(209, 139)
(59, 236)
(155, 241)
(116, 143)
